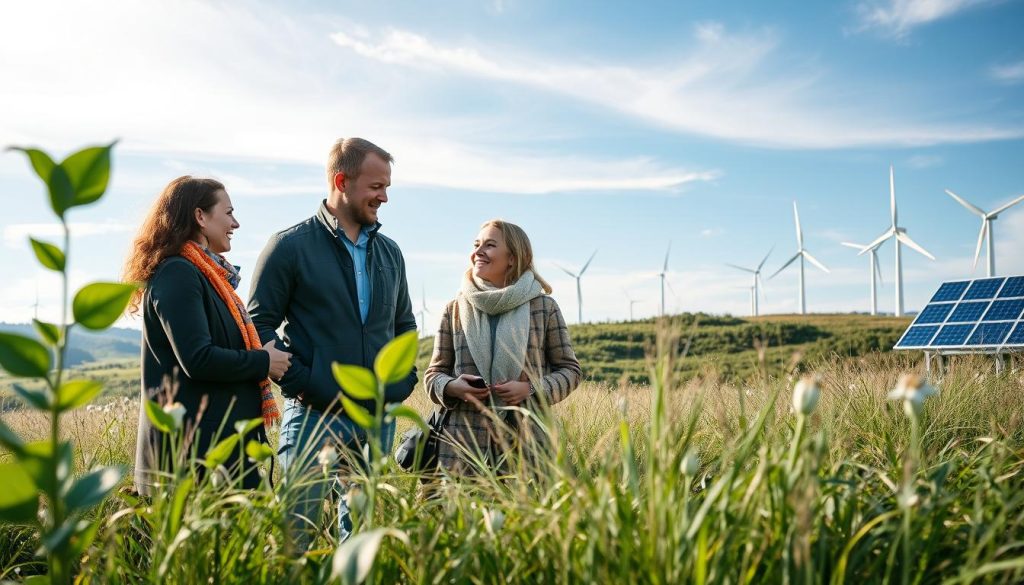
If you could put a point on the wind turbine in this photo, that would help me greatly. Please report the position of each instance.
(423, 310)
(875, 269)
(632, 302)
(579, 290)
(899, 235)
(758, 283)
(661, 275)
(801, 253)
(986, 228)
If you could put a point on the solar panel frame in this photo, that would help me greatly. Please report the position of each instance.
(982, 315)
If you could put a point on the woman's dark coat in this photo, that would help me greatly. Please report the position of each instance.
(191, 344)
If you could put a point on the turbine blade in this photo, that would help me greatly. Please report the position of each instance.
(892, 196)
(878, 241)
(799, 233)
(815, 261)
(761, 265)
(903, 237)
(566, 270)
(878, 266)
(664, 268)
(584, 269)
(972, 208)
(760, 287)
(741, 268)
(1005, 207)
(852, 245)
(981, 238)
(784, 266)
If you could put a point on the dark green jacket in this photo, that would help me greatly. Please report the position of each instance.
(190, 340)
(304, 279)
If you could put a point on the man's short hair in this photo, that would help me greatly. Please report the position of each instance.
(347, 156)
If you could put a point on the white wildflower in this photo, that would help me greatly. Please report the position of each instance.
(912, 389)
(806, 394)
(177, 412)
(689, 465)
(327, 457)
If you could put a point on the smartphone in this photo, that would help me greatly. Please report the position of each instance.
(477, 382)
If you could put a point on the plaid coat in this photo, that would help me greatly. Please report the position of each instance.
(550, 363)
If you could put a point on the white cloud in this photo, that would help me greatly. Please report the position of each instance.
(1009, 73)
(924, 161)
(16, 235)
(268, 87)
(719, 89)
(899, 17)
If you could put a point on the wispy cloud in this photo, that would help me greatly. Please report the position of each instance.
(724, 87)
(183, 104)
(1008, 73)
(899, 17)
(16, 235)
(924, 161)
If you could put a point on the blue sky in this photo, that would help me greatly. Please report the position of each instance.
(595, 125)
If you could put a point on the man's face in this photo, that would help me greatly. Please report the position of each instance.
(364, 195)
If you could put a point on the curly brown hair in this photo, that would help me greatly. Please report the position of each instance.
(169, 224)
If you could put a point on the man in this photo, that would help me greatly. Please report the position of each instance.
(340, 289)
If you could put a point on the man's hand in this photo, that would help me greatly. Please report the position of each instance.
(460, 389)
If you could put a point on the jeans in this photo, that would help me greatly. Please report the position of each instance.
(304, 432)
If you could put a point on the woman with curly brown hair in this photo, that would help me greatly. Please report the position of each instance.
(198, 342)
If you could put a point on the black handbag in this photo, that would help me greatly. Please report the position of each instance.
(413, 439)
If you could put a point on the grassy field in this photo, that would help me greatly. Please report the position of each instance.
(705, 479)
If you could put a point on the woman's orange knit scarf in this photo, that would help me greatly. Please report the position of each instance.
(217, 275)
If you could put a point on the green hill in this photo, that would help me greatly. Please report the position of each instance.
(727, 346)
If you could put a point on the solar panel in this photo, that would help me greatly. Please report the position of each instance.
(980, 315)
(950, 291)
(1014, 287)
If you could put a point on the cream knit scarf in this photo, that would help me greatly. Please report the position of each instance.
(477, 304)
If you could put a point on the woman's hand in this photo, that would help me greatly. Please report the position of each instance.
(460, 389)
(280, 361)
(512, 393)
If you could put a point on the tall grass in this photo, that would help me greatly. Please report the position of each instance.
(620, 499)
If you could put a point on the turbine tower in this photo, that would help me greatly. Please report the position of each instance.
(661, 275)
(801, 253)
(579, 290)
(632, 302)
(899, 236)
(423, 310)
(986, 229)
(758, 283)
(875, 270)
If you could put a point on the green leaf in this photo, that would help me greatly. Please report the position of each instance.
(93, 487)
(162, 421)
(56, 539)
(182, 489)
(41, 162)
(24, 356)
(39, 462)
(358, 414)
(244, 427)
(407, 412)
(354, 559)
(220, 453)
(258, 451)
(396, 359)
(357, 381)
(48, 255)
(10, 440)
(62, 193)
(98, 305)
(89, 172)
(19, 500)
(38, 579)
(85, 533)
(38, 399)
(75, 393)
(48, 331)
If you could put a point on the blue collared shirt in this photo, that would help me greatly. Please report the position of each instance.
(358, 253)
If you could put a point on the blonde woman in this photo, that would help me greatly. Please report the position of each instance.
(502, 342)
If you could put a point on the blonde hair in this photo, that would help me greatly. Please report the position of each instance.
(522, 252)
